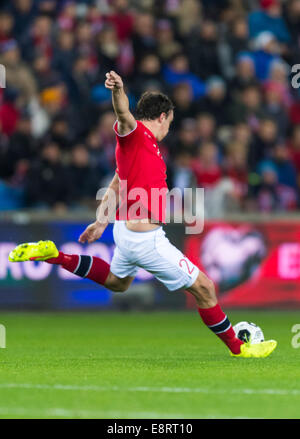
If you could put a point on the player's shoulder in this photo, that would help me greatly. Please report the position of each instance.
(134, 136)
(132, 133)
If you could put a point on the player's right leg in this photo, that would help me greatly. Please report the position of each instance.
(217, 321)
(90, 267)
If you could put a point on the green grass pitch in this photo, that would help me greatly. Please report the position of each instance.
(143, 365)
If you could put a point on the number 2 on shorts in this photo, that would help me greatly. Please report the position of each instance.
(190, 271)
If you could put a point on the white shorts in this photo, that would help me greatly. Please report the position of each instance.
(153, 252)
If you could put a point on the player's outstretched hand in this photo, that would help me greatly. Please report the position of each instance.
(113, 81)
(92, 233)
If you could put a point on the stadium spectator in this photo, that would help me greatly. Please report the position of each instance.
(215, 100)
(21, 147)
(206, 166)
(235, 167)
(187, 138)
(266, 51)
(248, 108)
(23, 12)
(181, 174)
(18, 75)
(46, 179)
(143, 38)
(38, 39)
(238, 39)
(122, 19)
(45, 75)
(108, 49)
(264, 142)
(65, 53)
(264, 193)
(202, 50)
(277, 189)
(148, 75)
(67, 16)
(188, 13)
(206, 128)
(178, 70)
(183, 100)
(209, 175)
(292, 19)
(269, 18)
(83, 194)
(286, 169)
(244, 75)
(60, 132)
(167, 44)
(274, 107)
(9, 112)
(6, 27)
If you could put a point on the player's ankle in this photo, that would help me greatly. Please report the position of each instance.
(235, 345)
(59, 260)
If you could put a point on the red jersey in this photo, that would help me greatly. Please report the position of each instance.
(142, 174)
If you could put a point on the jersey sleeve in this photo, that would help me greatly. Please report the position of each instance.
(129, 138)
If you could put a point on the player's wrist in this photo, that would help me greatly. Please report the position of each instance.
(101, 223)
(117, 90)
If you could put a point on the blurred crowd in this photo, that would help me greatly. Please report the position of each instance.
(225, 63)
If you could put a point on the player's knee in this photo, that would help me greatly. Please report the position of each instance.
(115, 284)
(210, 286)
(117, 287)
(205, 284)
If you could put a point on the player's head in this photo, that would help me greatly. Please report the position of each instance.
(157, 108)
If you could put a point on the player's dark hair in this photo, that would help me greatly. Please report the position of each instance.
(152, 104)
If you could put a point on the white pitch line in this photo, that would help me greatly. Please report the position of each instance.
(66, 413)
(93, 388)
(62, 412)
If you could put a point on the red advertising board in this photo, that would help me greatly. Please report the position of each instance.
(252, 265)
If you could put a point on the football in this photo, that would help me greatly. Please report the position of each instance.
(249, 332)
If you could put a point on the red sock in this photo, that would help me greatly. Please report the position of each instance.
(219, 323)
(91, 267)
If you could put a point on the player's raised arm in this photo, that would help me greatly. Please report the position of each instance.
(126, 121)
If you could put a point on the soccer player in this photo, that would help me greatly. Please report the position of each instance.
(138, 233)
